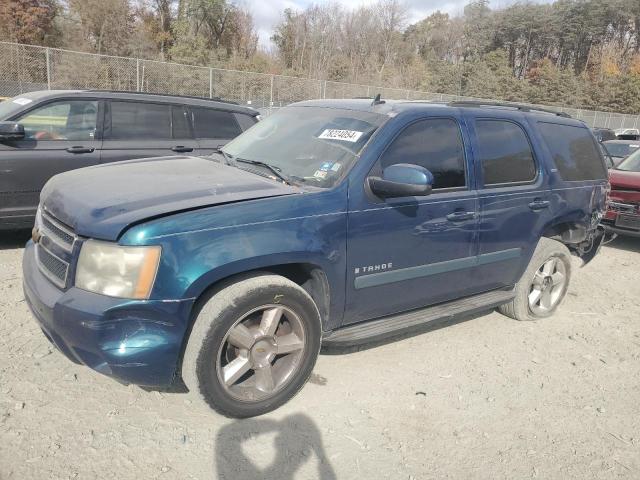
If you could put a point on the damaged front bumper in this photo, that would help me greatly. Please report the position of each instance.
(132, 341)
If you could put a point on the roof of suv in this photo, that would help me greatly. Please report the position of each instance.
(388, 106)
(144, 96)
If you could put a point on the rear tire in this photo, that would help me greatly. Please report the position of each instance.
(543, 285)
(253, 346)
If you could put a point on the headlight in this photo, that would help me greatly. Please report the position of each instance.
(117, 271)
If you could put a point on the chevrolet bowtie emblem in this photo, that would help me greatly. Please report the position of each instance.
(35, 235)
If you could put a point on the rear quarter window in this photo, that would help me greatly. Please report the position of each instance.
(245, 121)
(574, 152)
(211, 123)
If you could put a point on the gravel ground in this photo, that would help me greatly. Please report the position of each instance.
(488, 398)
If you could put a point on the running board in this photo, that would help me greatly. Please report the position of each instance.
(395, 325)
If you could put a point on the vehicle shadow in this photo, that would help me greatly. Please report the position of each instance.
(630, 244)
(11, 239)
(297, 439)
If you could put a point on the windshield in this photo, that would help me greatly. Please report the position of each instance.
(621, 149)
(310, 145)
(12, 105)
(631, 163)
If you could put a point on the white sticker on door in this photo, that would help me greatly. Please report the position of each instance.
(343, 135)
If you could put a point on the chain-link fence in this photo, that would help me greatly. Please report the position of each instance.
(25, 68)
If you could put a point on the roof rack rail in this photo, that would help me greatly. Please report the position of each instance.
(133, 92)
(516, 106)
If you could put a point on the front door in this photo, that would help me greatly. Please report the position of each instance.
(59, 136)
(406, 253)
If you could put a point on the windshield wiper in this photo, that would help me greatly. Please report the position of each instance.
(228, 159)
(275, 170)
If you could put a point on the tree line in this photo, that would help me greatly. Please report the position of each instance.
(579, 53)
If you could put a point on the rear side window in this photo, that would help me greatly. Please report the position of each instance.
(140, 121)
(210, 123)
(180, 122)
(435, 144)
(504, 152)
(574, 152)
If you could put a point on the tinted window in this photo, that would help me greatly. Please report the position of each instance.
(210, 123)
(433, 144)
(504, 152)
(140, 121)
(66, 120)
(245, 121)
(180, 122)
(574, 152)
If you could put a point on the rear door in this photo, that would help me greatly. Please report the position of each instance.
(514, 198)
(135, 129)
(60, 135)
(214, 128)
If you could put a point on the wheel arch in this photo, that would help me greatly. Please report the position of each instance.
(310, 276)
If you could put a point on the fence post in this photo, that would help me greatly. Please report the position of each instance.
(324, 89)
(137, 74)
(210, 82)
(48, 57)
(271, 94)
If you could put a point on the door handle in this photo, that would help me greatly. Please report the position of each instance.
(461, 216)
(182, 149)
(80, 149)
(538, 204)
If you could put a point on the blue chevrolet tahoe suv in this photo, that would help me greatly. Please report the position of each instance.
(333, 222)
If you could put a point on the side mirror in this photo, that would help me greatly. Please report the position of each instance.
(11, 131)
(402, 180)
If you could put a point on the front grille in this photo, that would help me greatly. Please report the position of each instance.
(59, 233)
(53, 267)
(620, 207)
(54, 249)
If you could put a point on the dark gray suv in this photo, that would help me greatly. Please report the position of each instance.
(49, 132)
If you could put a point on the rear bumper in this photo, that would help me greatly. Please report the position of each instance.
(132, 341)
(609, 223)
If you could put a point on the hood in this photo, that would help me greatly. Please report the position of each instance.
(102, 201)
(625, 186)
(621, 179)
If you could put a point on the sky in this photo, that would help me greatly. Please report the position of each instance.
(267, 13)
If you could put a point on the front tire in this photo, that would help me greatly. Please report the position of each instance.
(543, 285)
(253, 346)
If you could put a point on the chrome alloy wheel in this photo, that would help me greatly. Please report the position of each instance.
(261, 352)
(548, 286)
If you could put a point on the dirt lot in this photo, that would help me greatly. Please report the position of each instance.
(488, 398)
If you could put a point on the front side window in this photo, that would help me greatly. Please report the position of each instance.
(504, 153)
(310, 145)
(574, 151)
(435, 144)
(140, 121)
(65, 120)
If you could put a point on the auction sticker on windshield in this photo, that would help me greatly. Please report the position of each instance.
(22, 101)
(343, 135)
